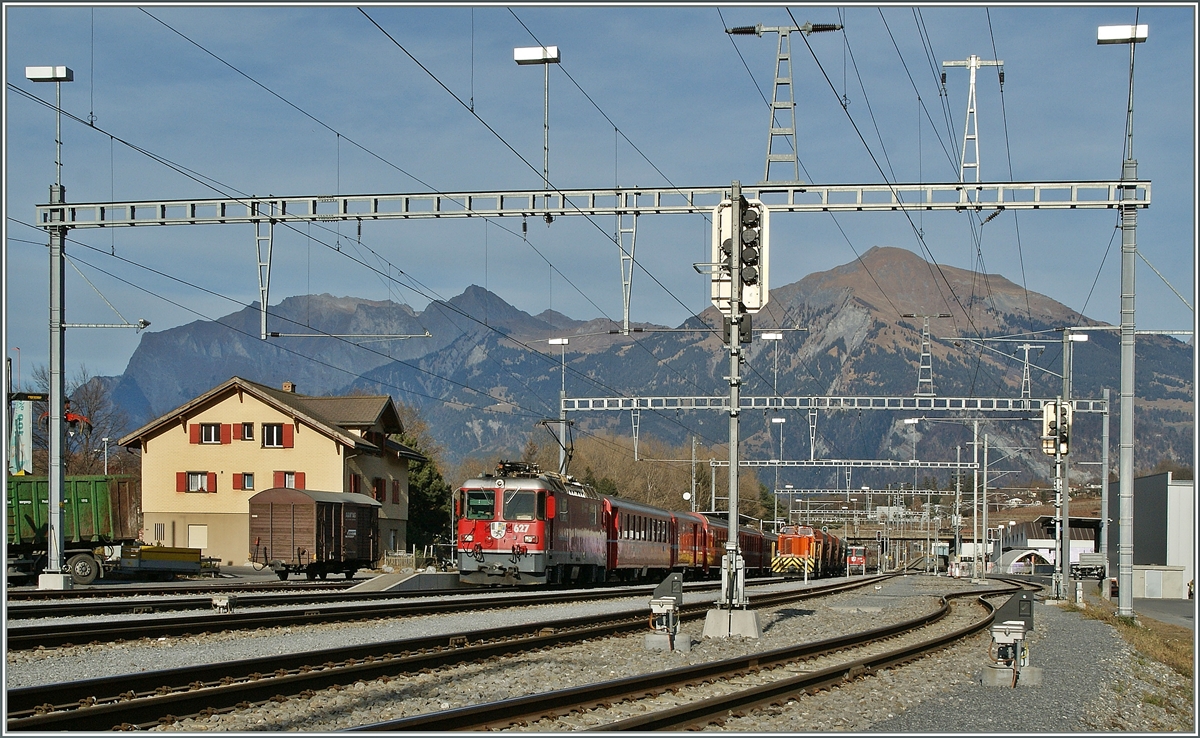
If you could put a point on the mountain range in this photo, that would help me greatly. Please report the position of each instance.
(482, 374)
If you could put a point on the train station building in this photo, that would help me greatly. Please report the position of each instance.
(204, 460)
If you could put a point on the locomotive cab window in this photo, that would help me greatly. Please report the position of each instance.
(520, 505)
(481, 504)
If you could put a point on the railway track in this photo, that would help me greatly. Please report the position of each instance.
(108, 591)
(146, 699)
(137, 602)
(761, 679)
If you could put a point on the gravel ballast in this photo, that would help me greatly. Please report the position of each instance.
(1092, 681)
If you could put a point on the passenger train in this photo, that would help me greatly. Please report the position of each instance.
(523, 526)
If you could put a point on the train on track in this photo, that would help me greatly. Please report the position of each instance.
(522, 526)
(812, 553)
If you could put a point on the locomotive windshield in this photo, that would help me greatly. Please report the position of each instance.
(520, 505)
(481, 504)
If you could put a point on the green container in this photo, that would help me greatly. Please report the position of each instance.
(95, 508)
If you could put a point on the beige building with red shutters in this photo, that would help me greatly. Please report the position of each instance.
(203, 461)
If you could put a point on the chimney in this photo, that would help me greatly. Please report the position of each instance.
(289, 386)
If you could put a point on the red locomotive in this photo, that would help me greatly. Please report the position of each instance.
(522, 526)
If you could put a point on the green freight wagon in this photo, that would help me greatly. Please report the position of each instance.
(100, 514)
(102, 527)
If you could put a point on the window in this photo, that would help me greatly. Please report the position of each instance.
(519, 505)
(272, 436)
(290, 479)
(395, 491)
(210, 433)
(197, 481)
(160, 533)
(247, 431)
(247, 480)
(481, 504)
(379, 488)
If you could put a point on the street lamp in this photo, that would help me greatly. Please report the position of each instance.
(1131, 35)
(779, 422)
(105, 439)
(776, 337)
(562, 410)
(544, 55)
(53, 578)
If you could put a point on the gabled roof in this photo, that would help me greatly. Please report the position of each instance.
(331, 416)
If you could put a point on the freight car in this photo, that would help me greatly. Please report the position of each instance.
(522, 526)
(314, 533)
(102, 522)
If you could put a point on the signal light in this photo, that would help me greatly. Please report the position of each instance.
(740, 233)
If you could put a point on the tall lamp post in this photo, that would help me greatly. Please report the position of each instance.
(1131, 35)
(779, 422)
(544, 55)
(562, 410)
(53, 577)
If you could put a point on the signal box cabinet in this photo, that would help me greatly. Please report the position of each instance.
(297, 530)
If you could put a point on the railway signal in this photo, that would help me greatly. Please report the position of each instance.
(1056, 428)
(747, 240)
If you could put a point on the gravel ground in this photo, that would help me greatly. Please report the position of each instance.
(1092, 681)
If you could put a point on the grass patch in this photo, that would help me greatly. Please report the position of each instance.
(1163, 642)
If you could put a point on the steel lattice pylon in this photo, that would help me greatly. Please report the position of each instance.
(971, 124)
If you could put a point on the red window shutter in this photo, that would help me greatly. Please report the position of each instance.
(237, 431)
(181, 481)
(237, 481)
(278, 479)
(354, 483)
(299, 480)
(395, 491)
(288, 432)
(194, 432)
(212, 481)
(226, 433)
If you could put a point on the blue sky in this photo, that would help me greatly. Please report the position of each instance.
(688, 113)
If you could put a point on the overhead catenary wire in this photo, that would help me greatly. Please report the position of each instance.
(225, 190)
(920, 239)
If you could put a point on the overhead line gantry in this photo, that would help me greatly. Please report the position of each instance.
(265, 212)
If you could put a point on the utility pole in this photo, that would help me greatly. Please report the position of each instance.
(783, 83)
(693, 473)
(971, 125)
(975, 503)
(52, 577)
(739, 270)
(925, 372)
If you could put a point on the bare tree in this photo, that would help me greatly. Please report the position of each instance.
(90, 398)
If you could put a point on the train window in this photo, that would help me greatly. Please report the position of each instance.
(481, 504)
(519, 505)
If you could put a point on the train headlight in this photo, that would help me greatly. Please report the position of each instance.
(468, 538)
(531, 539)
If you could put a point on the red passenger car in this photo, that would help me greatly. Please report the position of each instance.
(640, 540)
